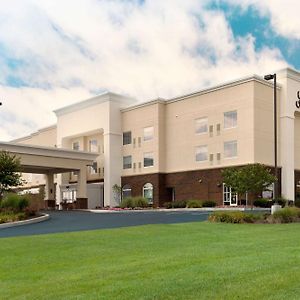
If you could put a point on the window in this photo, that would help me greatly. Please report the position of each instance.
(148, 192)
(127, 138)
(230, 149)
(93, 168)
(126, 191)
(75, 146)
(148, 159)
(127, 162)
(201, 125)
(201, 153)
(148, 134)
(230, 119)
(93, 146)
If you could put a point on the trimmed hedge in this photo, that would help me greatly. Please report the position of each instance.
(209, 203)
(194, 203)
(233, 217)
(134, 202)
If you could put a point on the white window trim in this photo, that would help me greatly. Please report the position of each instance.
(230, 157)
(144, 134)
(201, 161)
(207, 129)
(228, 128)
(146, 167)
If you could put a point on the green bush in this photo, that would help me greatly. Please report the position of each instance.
(233, 217)
(167, 205)
(262, 202)
(287, 215)
(179, 204)
(132, 202)
(280, 201)
(209, 203)
(194, 203)
(6, 217)
(15, 202)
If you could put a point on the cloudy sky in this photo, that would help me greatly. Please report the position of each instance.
(57, 52)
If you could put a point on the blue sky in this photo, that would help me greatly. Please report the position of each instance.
(54, 53)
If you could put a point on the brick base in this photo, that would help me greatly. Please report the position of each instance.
(81, 203)
(50, 204)
(196, 184)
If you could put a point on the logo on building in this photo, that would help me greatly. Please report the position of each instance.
(298, 101)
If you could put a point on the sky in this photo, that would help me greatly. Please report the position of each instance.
(57, 52)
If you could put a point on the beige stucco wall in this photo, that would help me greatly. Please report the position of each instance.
(264, 124)
(175, 139)
(43, 137)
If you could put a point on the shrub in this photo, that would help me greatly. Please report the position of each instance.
(179, 204)
(194, 204)
(15, 202)
(280, 201)
(233, 217)
(262, 202)
(140, 202)
(208, 203)
(167, 205)
(132, 202)
(11, 217)
(286, 215)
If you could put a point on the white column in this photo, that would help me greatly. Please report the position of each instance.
(81, 186)
(49, 190)
(112, 166)
(287, 155)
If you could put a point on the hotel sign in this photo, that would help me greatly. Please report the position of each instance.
(298, 101)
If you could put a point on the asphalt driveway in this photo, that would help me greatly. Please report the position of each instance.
(67, 221)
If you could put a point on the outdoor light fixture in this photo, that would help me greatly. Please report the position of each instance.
(270, 77)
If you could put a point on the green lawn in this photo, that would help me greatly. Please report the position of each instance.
(180, 261)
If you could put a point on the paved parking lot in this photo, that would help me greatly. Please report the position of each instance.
(67, 221)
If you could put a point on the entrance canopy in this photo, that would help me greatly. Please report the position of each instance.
(45, 160)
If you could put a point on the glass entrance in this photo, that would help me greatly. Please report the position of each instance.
(229, 196)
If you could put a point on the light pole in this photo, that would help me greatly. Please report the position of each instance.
(270, 77)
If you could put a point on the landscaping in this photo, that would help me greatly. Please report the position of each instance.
(285, 215)
(14, 207)
(179, 261)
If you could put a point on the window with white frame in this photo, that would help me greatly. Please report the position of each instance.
(127, 162)
(229, 196)
(127, 138)
(75, 146)
(93, 145)
(201, 153)
(126, 191)
(148, 192)
(230, 149)
(230, 119)
(148, 133)
(148, 159)
(201, 125)
(93, 168)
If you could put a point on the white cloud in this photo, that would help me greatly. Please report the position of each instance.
(284, 15)
(158, 48)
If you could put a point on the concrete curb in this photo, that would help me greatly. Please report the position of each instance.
(203, 209)
(42, 218)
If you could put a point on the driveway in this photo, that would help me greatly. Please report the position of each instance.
(67, 221)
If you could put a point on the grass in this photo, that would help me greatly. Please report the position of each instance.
(179, 261)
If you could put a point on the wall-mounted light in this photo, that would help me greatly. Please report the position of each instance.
(200, 180)
(219, 184)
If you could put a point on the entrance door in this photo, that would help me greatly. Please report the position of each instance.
(229, 196)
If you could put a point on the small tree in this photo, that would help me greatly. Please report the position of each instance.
(252, 178)
(10, 168)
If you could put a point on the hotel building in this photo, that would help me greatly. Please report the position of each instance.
(175, 149)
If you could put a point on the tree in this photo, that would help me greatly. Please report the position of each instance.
(252, 178)
(10, 168)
